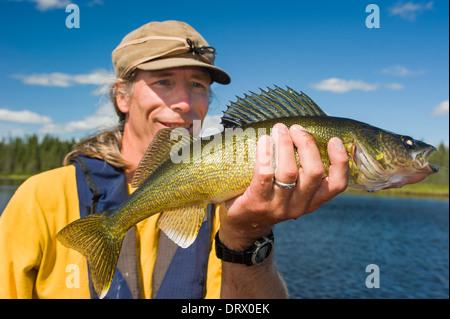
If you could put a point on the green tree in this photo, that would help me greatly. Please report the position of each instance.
(31, 155)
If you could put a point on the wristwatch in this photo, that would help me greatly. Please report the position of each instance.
(255, 255)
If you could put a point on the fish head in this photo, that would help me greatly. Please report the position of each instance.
(388, 160)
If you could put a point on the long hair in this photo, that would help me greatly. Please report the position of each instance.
(107, 145)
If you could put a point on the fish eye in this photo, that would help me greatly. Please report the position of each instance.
(408, 141)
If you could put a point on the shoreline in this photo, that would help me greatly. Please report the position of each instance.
(14, 179)
(412, 191)
(442, 193)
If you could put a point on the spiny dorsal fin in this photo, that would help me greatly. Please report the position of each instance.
(181, 225)
(270, 104)
(158, 152)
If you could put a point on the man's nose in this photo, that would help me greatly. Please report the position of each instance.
(182, 100)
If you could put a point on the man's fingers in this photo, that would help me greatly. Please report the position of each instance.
(263, 172)
(286, 168)
(311, 166)
(337, 179)
(339, 169)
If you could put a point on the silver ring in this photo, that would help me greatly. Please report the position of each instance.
(283, 185)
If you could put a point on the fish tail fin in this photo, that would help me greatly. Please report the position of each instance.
(98, 244)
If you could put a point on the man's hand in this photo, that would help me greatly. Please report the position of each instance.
(265, 204)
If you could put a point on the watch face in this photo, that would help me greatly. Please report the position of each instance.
(262, 253)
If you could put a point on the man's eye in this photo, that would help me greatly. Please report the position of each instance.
(199, 85)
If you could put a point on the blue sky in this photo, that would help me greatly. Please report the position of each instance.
(53, 78)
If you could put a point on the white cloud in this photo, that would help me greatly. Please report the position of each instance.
(399, 70)
(211, 125)
(441, 108)
(337, 85)
(103, 117)
(394, 86)
(50, 79)
(24, 116)
(98, 77)
(342, 86)
(101, 77)
(44, 5)
(410, 10)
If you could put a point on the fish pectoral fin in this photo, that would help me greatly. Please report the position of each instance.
(181, 225)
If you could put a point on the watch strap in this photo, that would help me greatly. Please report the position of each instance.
(240, 257)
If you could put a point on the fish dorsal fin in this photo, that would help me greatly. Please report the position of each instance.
(158, 152)
(181, 225)
(270, 104)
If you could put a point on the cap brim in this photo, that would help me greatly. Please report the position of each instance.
(217, 75)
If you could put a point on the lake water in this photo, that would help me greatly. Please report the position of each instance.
(6, 192)
(325, 254)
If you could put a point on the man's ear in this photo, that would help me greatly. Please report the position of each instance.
(122, 98)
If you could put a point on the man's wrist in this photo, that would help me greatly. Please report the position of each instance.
(241, 240)
(257, 253)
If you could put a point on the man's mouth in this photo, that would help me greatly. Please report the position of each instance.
(187, 126)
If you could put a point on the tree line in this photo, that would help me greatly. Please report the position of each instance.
(30, 155)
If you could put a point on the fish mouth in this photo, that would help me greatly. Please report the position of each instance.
(417, 172)
(433, 168)
(421, 160)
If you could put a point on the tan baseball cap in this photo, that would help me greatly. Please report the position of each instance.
(163, 45)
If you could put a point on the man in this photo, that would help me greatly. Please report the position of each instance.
(164, 73)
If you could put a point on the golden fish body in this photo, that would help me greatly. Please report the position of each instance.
(179, 175)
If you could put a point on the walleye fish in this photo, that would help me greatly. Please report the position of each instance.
(179, 177)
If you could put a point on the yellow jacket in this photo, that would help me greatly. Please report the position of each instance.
(33, 264)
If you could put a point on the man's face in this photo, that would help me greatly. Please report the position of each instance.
(165, 98)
